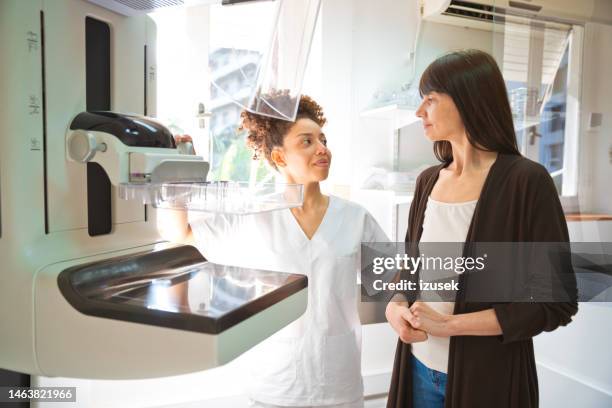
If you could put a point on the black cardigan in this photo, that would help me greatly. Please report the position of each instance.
(518, 203)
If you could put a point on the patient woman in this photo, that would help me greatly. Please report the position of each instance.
(474, 354)
(316, 360)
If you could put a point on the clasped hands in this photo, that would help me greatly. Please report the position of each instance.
(414, 323)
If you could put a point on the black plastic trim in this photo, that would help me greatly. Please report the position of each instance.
(145, 110)
(99, 206)
(98, 97)
(44, 119)
(14, 380)
(97, 64)
(131, 130)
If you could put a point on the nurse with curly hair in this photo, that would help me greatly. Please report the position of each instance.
(316, 360)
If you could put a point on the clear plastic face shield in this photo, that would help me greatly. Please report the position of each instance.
(272, 56)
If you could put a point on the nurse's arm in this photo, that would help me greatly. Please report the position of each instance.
(172, 226)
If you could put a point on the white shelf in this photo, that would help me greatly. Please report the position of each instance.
(401, 116)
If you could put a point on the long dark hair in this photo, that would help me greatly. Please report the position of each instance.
(474, 82)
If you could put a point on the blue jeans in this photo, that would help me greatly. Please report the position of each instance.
(428, 386)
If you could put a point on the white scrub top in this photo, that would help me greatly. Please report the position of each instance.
(316, 360)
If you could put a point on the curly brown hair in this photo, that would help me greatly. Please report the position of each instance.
(265, 132)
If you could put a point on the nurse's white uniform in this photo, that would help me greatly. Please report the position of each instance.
(316, 360)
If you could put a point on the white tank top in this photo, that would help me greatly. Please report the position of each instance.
(444, 222)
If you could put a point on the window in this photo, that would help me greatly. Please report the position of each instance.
(538, 58)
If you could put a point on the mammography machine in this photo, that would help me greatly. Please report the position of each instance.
(88, 289)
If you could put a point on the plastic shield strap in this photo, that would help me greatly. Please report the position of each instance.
(267, 63)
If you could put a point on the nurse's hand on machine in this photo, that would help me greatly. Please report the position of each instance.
(184, 143)
(172, 224)
(398, 318)
(182, 139)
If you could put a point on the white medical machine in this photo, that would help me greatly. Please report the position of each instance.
(88, 289)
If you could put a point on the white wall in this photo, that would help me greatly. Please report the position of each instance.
(336, 29)
(574, 362)
(596, 159)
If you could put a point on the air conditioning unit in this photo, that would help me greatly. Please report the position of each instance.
(136, 7)
(485, 14)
